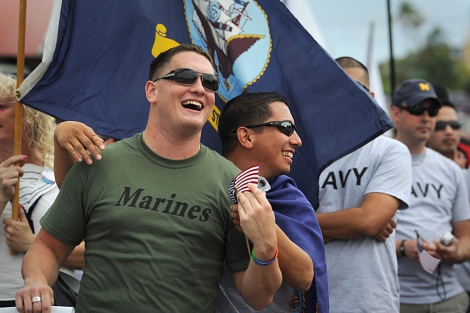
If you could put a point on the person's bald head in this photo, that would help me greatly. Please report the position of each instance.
(356, 70)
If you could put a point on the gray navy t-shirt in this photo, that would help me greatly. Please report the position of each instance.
(362, 273)
(438, 199)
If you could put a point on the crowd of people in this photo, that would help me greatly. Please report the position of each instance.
(162, 232)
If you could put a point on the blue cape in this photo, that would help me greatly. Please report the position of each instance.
(296, 217)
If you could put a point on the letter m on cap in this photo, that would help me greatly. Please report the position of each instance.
(424, 87)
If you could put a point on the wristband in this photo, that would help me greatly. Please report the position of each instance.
(402, 248)
(263, 263)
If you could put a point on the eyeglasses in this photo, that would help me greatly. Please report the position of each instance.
(363, 86)
(419, 110)
(442, 125)
(188, 77)
(285, 127)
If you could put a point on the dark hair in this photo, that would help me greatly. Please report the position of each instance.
(165, 57)
(245, 109)
(447, 103)
(348, 62)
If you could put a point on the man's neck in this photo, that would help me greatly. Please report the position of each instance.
(172, 148)
(415, 147)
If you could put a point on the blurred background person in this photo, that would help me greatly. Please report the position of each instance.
(446, 136)
(37, 192)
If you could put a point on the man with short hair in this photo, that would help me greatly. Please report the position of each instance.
(155, 211)
(439, 204)
(446, 136)
(358, 197)
(445, 139)
(258, 128)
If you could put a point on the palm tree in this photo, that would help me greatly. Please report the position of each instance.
(411, 20)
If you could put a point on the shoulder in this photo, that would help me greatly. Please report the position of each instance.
(218, 161)
(390, 144)
(284, 187)
(443, 162)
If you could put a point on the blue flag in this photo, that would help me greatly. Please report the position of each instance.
(97, 54)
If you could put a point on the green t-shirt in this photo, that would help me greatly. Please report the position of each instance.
(157, 231)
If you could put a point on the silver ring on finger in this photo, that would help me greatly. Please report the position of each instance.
(36, 299)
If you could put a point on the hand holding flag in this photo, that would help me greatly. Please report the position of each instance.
(240, 183)
(427, 261)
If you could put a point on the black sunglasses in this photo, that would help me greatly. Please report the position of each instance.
(419, 110)
(188, 77)
(441, 125)
(285, 127)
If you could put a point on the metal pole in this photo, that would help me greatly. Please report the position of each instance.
(392, 60)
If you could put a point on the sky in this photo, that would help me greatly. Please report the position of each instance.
(345, 24)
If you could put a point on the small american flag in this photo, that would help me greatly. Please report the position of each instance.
(240, 183)
(427, 261)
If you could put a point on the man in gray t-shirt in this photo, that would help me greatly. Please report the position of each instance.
(438, 204)
(358, 197)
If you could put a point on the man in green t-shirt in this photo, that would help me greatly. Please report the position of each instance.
(154, 212)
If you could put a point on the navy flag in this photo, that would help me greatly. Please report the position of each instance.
(97, 54)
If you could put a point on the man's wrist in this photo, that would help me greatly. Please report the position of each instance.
(402, 248)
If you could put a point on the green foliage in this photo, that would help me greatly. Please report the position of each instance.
(436, 62)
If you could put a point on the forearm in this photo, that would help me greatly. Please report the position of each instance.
(464, 249)
(259, 283)
(42, 261)
(295, 264)
(40, 264)
(3, 204)
(348, 224)
(76, 259)
(63, 162)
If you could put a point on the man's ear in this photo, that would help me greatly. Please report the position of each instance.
(151, 91)
(394, 112)
(245, 137)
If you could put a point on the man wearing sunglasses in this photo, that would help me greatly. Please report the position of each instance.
(358, 198)
(438, 205)
(446, 136)
(258, 128)
(445, 140)
(155, 211)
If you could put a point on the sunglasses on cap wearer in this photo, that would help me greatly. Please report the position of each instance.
(285, 127)
(187, 77)
(419, 110)
(441, 125)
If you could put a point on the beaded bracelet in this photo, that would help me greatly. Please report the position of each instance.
(263, 263)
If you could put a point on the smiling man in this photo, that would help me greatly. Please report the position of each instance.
(155, 211)
(258, 128)
(446, 136)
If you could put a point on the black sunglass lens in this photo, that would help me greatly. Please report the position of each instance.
(432, 111)
(287, 128)
(210, 82)
(442, 125)
(455, 125)
(416, 110)
(185, 76)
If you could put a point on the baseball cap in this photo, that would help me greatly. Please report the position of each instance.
(413, 92)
